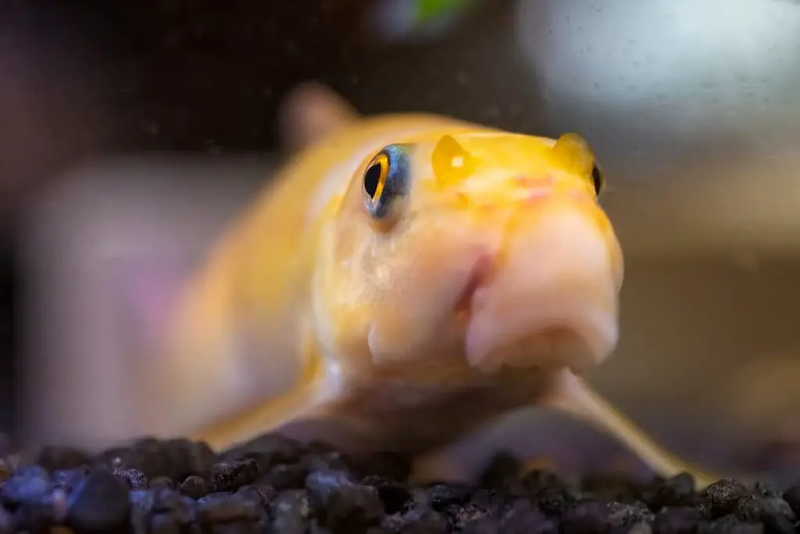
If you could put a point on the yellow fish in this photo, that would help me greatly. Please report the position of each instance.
(411, 276)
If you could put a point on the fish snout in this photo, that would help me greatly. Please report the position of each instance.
(549, 296)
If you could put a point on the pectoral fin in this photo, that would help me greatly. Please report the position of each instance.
(302, 402)
(574, 397)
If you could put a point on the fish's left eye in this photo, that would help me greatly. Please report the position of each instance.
(386, 180)
(597, 180)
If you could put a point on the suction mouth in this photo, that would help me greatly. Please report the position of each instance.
(552, 301)
(576, 338)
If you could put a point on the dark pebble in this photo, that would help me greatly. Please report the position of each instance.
(62, 458)
(393, 494)
(623, 514)
(34, 516)
(133, 477)
(676, 491)
(610, 487)
(291, 512)
(175, 459)
(723, 497)
(556, 500)
(194, 486)
(141, 502)
(27, 484)
(419, 520)
(286, 476)
(258, 493)
(328, 461)
(99, 503)
(161, 483)
(164, 524)
(792, 498)
(228, 476)
(343, 503)
(521, 517)
(279, 486)
(444, 495)
(677, 520)
(386, 464)
(225, 507)
(274, 448)
(729, 524)
(503, 468)
(67, 479)
(585, 517)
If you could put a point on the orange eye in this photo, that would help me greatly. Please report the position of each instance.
(375, 177)
(386, 180)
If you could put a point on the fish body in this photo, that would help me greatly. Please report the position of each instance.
(409, 276)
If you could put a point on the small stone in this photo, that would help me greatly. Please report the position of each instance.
(676, 491)
(68, 479)
(227, 508)
(722, 497)
(291, 512)
(55, 458)
(99, 503)
(286, 476)
(328, 460)
(391, 465)
(628, 514)
(729, 524)
(164, 524)
(275, 448)
(444, 495)
(162, 483)
(141, 509)
(503, 468)
(555, 500)
(587, 516)
(523, 518)
(194, 486)
(640, 528)
(792, 497)
(422, 520)
(258, 493)
(135, 479)
(34, 516)
(393, 494)
(228, 476)
(27, 484)
(343, 504)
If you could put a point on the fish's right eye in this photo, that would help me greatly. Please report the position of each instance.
(386, 180)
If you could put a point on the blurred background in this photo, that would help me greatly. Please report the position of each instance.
(132, 132)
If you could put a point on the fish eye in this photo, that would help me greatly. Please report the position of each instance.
(597, 180)
(386, 180)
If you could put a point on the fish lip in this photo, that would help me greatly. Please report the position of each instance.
(503, 314)
(590, 330)
(478, 277)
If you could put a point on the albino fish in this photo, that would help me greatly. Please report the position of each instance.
(409, 278)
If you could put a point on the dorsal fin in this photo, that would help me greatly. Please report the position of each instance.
(310, 112)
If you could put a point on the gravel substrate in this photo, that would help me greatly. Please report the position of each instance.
(276, 485)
